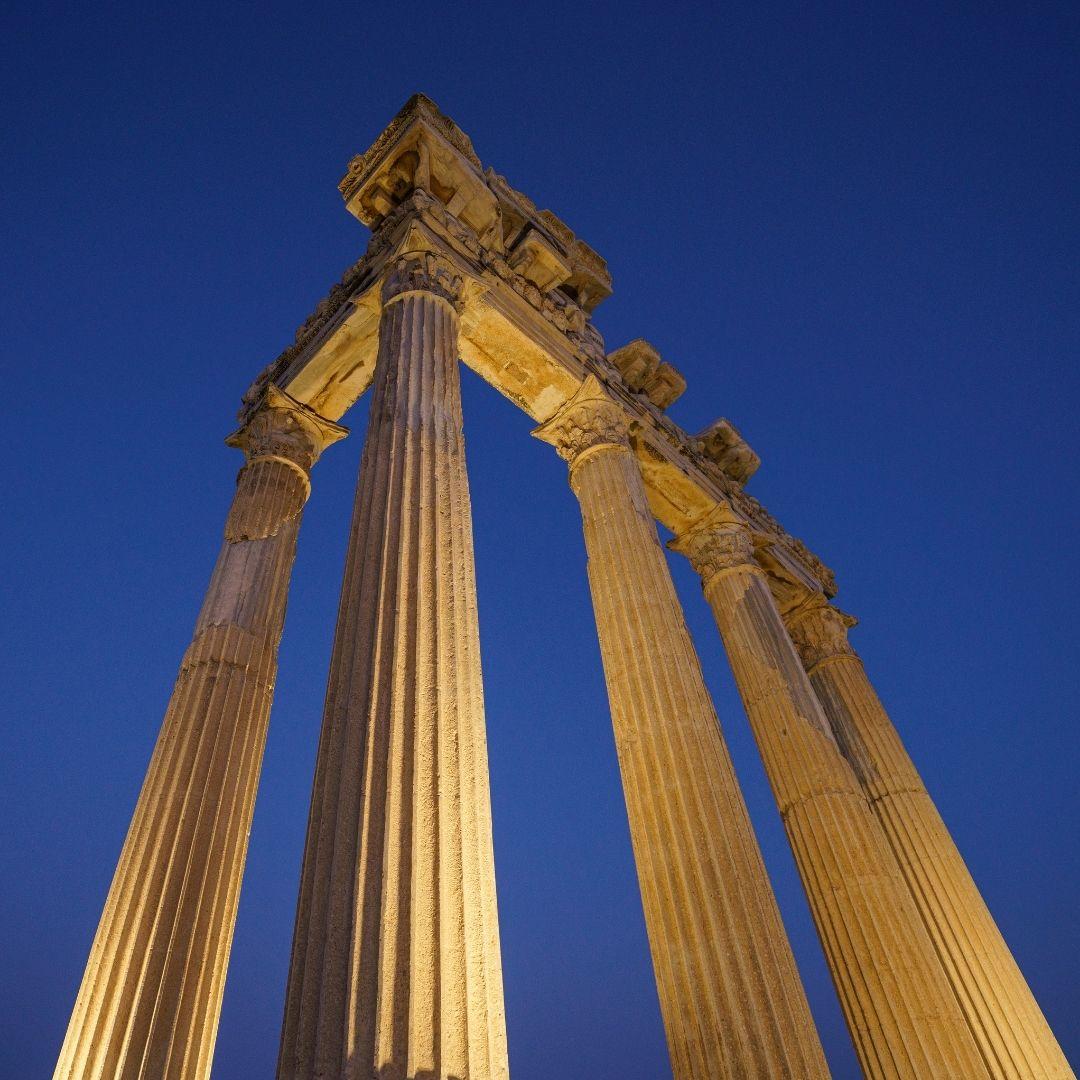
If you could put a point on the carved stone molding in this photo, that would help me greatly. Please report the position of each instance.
(281, 442)
(424, 272)
(644, 372)
(722, 444)
(283, 427)
(418, 106)
(819, 631)
(588, 420)
(718, 542)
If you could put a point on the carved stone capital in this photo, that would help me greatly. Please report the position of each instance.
(819, 631)
(590, 419)
(426, 272)
(285, 428)
(717, 542)
(281, 441)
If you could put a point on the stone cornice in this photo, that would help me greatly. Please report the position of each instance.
(419, 106)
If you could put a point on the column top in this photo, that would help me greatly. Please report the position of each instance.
(423, 271)
(819, 631)
(282, 427)
(716, 542)
(588, 421)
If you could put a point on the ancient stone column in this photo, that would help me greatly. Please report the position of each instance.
(899, 1006)
(396, 969)
(1008, 1025)
(731, 998)
(150, 998)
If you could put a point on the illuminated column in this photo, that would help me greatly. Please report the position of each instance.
(899, 1006)
(151, 995)
(731, 998)
(395, 966)
(1008, 1025)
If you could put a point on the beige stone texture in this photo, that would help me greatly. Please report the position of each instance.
(732, 1002)
(1008, 1025)
(395, 967)
(899, 1006)
(421, 185)
(151, 995)
(395, 970)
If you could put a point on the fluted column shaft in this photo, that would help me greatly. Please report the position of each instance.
(732, 1002)
(898, 1004)
(1006, 1021)
(151, 995)
(395, 967)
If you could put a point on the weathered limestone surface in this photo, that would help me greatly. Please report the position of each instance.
(1008, 1025)
(731, 998)
(899, 1006)
(150, 999)
(396, 968)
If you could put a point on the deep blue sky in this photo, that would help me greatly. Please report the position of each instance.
(855, 232)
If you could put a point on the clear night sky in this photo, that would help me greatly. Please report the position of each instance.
(854, 231)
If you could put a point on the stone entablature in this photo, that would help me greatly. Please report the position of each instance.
(531, 285)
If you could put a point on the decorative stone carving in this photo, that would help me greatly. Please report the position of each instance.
(587, 281)
(719, 541)
(645, 373)
(537, 259)
(421, 149)
(286, 428)
(423, 272)
(281, 441)
(819, 631)
(419, 105)
(588, 420)
(565, 307)
(722, 444)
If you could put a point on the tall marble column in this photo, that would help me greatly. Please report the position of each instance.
(151, 994)
(731, 997)
(395, 967)
(1008, 1025)
(899, 1006)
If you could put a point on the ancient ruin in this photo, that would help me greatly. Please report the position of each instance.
(395, 969)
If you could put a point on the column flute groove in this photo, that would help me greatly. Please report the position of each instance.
(902, 1015)
(1012, 1034)
(396, 970)
(732, 1002)
(151, 995)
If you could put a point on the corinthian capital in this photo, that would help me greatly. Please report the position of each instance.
(588, 420)
(281, 442)
(819, 631)
(718, 541)
(423, 271)
(285, 429)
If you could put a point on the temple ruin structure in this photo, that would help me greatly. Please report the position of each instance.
(395, 971)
